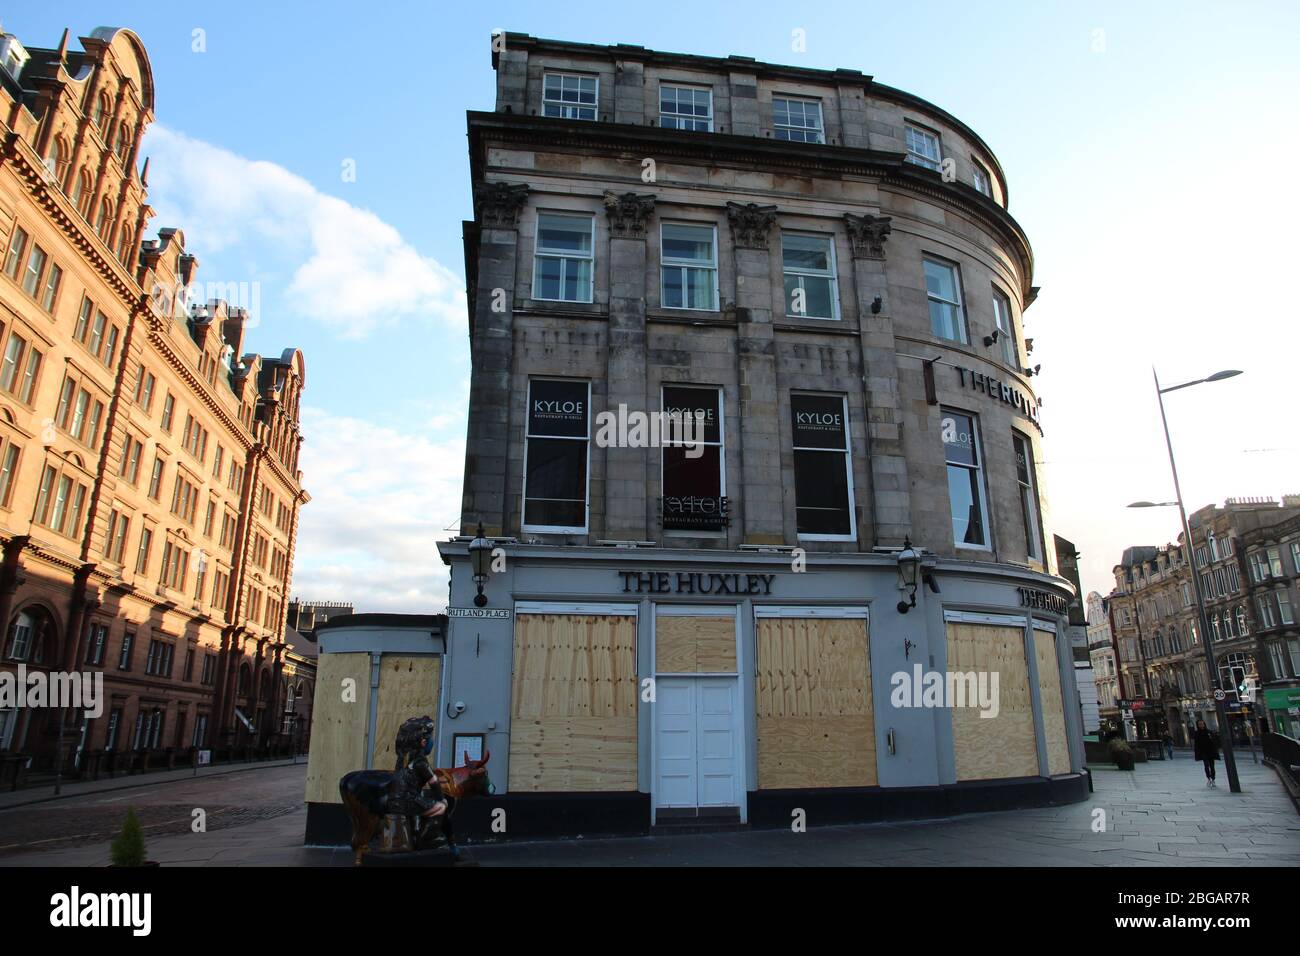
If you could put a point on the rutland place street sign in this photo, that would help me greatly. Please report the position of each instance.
(483, 613)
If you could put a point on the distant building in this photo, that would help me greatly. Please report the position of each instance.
(1270, 558)
(1101, 651)
(1154, 616)
(1067, 560)
(300, 657)
(306, 616)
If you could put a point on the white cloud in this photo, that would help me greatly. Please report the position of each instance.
(381, 499)
(346, 266)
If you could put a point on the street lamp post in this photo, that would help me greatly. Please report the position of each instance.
(1225, 731)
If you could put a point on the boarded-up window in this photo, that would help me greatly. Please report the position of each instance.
(1049, 683)
(340, 716)
(408, 687)
(816, 726)
(695, 644)
(993, 747)
(573, 703)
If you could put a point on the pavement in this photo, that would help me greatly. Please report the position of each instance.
(78, 788)
(1160, 814)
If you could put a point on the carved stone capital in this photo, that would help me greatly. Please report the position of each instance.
(750, 224)
(867, 235)
(628, 214)
(497, 205)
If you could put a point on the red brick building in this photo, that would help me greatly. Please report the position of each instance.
(149, 482)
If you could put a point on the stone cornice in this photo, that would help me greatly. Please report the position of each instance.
(711, 149)
(33, 173)
(233, 425)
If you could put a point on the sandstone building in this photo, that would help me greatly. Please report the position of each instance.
(822, 272)
(149, 481)
(1247, 578)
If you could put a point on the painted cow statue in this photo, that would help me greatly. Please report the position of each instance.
(414, 796)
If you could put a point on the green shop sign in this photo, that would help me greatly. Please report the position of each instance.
(1282, 697)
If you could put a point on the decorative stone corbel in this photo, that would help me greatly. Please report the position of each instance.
(628, 214)
(867, 235)
(750, 224)
(497, 205)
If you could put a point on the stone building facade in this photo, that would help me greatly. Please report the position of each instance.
(1153, 611)
(822, 272)
(1270, 568)
(1101, 650)
(149, 481)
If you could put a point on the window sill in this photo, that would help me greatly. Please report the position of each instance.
(559, 307)
(690, 316)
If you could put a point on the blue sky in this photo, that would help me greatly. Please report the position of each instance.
(1147, 147)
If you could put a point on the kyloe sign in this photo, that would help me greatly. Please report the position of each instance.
(694, 582)
(1007, 394)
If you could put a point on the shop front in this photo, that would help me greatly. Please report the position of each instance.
(626, 689)
(1283, 707)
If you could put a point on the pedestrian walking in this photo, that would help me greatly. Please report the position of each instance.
(1206, 750)
(1169, 745)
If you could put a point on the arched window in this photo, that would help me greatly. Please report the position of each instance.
(126, 240)
(123, 140)
(104, 220)
(245, 677)
(57, 159)
(27, 636)
(102, 112)
(22, 636)
(81, 192)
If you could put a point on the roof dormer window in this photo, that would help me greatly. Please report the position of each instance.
(797, 120)
(570, 96)
(13, 56)
(922, 147)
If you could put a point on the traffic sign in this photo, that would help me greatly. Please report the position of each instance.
(1219, 693)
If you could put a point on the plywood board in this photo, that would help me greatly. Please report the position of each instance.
(573, 754)
(987, 748)
(338, 726)
(1049, 690)
(574, 703)
(816, 723)
(695, 644)
(408, 687)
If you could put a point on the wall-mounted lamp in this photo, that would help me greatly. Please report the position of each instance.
(990, 339)
(876, 305)
(480, 557)
(1035, 370)
(909, 563)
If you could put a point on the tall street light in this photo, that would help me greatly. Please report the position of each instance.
(1225, 731)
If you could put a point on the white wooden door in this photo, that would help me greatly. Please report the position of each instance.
(717, 742)
(696, 742)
